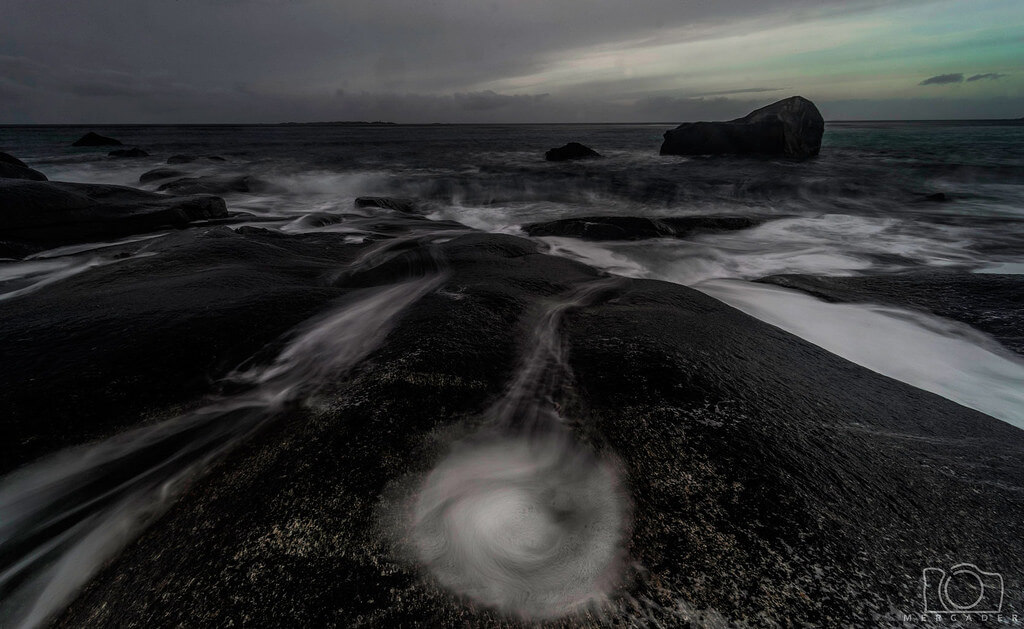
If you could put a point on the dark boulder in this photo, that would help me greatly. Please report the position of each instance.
(132, 152)
(791, 127)
(637, 227)
(46, 214)
(572, 150)
(160, 173)
(7, 158)
(95, 139)
(12, 171)
(215, 185)
(404, 206)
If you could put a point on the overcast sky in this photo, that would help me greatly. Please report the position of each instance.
(182, 61)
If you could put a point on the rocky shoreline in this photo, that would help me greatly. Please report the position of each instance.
(763, 480)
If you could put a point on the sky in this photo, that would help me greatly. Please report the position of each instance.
(421, 61)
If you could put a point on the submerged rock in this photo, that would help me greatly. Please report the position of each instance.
(161, 173)
(404, 206)
(572, 150)
(215, 184)
(791, 127)
(95, 139)
(48, 214)
(132, 152)
(636, 227)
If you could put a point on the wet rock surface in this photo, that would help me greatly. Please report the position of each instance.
(771, 482)
(638, 228)
(47, 214)
(152, 327)
(13, 171)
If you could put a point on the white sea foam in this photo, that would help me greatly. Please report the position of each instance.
(938, 355)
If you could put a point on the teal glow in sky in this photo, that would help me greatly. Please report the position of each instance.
(489, 61)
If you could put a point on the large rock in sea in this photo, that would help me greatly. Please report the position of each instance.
(44, 214)
(95, 139)
(572, 150)
(13, 168)
(792, 127)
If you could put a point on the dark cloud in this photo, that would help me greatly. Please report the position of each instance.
(943, 79)
(990, 76)
(187, 61)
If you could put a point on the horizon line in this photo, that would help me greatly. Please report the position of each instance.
(425, 124)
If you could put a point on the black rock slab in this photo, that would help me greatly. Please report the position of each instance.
(791, 127)
(770, 482)
(95, 139)
(637, 227)
(107, 348)
(58, 213)
(571, 151)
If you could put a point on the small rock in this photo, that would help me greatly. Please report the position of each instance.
(572, 150)
(95, 139)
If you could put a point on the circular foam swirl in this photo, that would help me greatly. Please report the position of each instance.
(531, 526)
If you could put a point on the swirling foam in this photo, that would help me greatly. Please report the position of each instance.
(532, 526)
